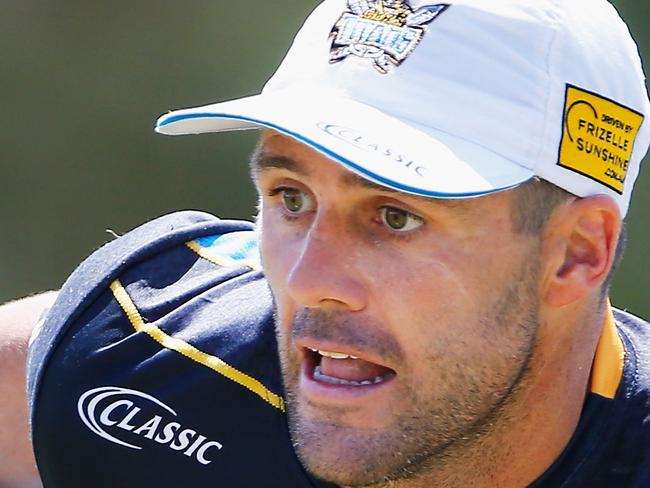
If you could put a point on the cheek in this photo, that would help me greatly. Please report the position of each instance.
(276, 252)
(423, 285)
(433, 304)
(271, 252)
(418, 298)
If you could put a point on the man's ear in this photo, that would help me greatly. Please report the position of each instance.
(579, 246)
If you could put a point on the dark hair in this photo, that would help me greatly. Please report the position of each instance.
(534, 203)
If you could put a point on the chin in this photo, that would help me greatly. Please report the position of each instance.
(350, 456)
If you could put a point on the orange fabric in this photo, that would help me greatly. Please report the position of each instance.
(607, 368)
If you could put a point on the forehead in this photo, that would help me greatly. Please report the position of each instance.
(276, 151)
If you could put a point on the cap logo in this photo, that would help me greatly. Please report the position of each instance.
(598, 137)
(384, 31)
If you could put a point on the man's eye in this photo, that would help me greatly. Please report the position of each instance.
(296, 201)
(400, 220)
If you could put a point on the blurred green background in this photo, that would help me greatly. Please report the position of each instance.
(82, 83)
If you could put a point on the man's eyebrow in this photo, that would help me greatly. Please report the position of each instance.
(354, 180)
(261, 161)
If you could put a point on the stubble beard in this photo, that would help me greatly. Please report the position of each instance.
(432, 436)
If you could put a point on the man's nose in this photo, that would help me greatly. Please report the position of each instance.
(325, 272)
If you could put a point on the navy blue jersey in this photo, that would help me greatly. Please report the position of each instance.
(157, 366)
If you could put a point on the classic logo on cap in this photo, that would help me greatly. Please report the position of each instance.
(385, 31)
(598, 137)
(360, 141)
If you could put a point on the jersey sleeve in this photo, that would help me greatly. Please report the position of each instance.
(157, 365)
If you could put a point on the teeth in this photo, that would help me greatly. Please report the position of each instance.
(332, 354)
(320, 376)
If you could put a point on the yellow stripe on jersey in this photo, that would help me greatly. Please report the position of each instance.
(191, 352)
(607, 368)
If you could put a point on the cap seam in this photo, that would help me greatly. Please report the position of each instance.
(558, 23)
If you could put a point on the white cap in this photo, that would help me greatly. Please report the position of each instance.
(459, 99)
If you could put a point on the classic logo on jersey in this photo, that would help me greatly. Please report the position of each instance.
(134, 419)
(598, 137)
(385, 31)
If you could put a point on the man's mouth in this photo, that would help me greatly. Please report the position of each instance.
(341, 369)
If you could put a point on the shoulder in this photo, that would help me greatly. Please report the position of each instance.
(159, 360)
(625, 441)
(156, 241)
(611, 444)
(635, 333)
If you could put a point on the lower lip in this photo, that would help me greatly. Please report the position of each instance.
(329, 392)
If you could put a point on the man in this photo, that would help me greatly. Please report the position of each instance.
(442, 188)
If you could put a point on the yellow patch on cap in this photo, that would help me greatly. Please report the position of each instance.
(598, 137)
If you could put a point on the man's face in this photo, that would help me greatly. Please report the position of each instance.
(405, 325)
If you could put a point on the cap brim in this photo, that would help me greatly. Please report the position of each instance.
(421, 161)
